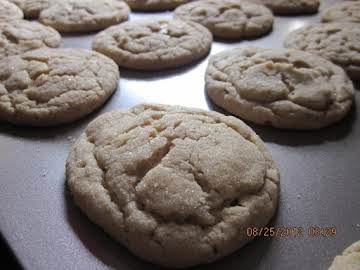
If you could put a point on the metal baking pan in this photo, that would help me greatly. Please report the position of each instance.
(320, 178)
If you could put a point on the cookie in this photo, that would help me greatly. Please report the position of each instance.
(9, 11)
(284, 88)
(20, 36)
(337, 42)
(154, 44)
(48, 87)
(176, 186)
(31, 8)
(233, 19)
(349, 260)
(287, 7)
(344, 12)
(84, 15)
(154, 5)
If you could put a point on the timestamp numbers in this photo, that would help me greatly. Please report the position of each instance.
(275, 231)
(312, 231)
(322, 231)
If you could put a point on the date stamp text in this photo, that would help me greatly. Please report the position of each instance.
(312, 231)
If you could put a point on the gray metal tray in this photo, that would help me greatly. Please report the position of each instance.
(320, 179)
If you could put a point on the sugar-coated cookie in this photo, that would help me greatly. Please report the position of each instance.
(48, 87)
(154, 44)
(84, 15)
(233, 19)
(19, 36)
(177, 186)
(279, 87)
(344, 12)
(338, 42)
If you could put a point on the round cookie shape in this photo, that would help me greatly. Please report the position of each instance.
(349, 260)
(176, 186)
(287, 7)
(19, 36)
(154, 44)
(233, 19)
(84, 15)
(344, 12)
(9, 11)
(154, 5)
(31, 8)
(48, 87)
(338, 42)
(284, 88)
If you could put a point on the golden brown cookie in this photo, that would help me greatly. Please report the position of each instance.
(19, 36)
(283, 88)
(84, 15)
(154, 44)
(233, 19)
(342, 12)
(177, 186)
(338, 42)
(48, 87)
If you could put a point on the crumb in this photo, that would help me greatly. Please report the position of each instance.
(44, 173)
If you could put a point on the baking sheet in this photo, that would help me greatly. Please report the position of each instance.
(320, 178)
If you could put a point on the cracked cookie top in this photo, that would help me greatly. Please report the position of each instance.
(177, 186)
(31, 8)
(9, 11)
(154, 5)
(20, 36)
(291, 6)
(280, 87)
(154, 44)
(228, 18)
(349, 260)
(337, 42)
(345, 12)
(52, 86)
(84, 15)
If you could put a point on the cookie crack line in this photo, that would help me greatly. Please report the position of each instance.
(164, 151)
(167, 148)
(216, 121)
(10, 37)
(104, 183)
(224, 9)
(66, 92)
